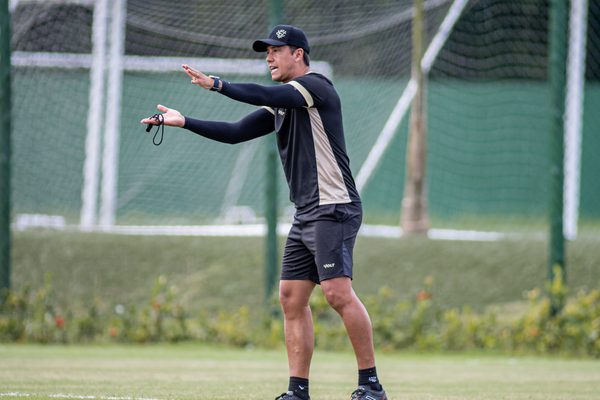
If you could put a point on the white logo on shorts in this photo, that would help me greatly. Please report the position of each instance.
(329, 265)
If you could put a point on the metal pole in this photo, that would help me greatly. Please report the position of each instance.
(5, 106)
(557, 74)
(110, 156)
(271, 256)
(578, 22)
(415, 218)
(91, 167)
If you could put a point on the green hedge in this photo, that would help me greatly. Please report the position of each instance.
(534, 326)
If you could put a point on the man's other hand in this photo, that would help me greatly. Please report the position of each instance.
(171, 117)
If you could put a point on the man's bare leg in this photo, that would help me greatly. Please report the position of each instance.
(341, 297)
(299, 334)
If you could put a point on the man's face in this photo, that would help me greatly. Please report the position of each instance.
(282, 63)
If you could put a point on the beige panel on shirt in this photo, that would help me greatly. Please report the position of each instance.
(332, 188)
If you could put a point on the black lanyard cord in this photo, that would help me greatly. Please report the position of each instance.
(161, 120)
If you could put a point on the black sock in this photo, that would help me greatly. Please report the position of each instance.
(299, 386)
(368, 377)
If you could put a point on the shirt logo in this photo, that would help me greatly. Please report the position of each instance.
(329, 265)
(281, 112)
(281, 33)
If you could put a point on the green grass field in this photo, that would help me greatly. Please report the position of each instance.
(219, 273)
(201, 372)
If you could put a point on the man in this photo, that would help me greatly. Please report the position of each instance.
(306, 114)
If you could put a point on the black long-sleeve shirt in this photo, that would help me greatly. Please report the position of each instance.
(306, 114)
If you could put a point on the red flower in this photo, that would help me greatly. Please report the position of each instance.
(113, 332)
(156, 305)
(59, 321)
(534, 332)
(423, 295)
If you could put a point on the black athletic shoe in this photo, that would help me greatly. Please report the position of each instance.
(288, 396)
(366, 393)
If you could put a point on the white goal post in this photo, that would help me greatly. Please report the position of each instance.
(573, 121)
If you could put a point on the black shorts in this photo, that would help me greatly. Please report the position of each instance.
(320, 243)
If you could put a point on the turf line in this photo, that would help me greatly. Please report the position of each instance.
(70, 396)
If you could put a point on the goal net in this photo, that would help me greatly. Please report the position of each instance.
(61, 101)
(488, 114)
(86, 72)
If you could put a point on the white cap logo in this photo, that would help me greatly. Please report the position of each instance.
(281, 33)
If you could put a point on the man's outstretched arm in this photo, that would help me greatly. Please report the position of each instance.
(253, 125)
(281, 96)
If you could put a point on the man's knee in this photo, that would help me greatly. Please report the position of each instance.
(338, 299)
(292, 307)
(294, 296)
(338, 292)
(286, 299)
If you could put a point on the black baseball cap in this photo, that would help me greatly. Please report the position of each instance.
(283, 35)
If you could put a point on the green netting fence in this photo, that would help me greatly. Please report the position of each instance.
(488, 111)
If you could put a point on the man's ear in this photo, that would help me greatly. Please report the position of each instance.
(299, 55)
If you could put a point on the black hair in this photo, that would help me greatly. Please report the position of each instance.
(305, 57)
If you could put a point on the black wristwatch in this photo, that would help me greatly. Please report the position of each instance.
(215, 87)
